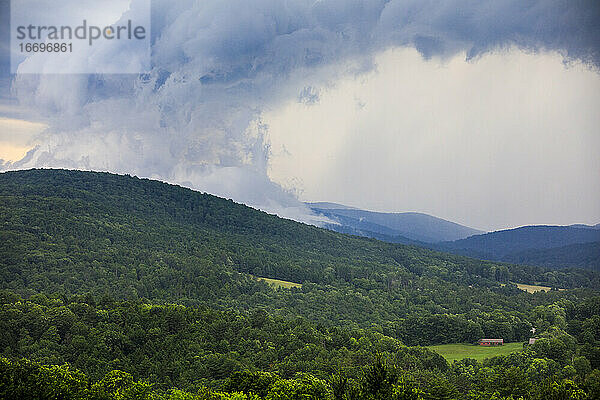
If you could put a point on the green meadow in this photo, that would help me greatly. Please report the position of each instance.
(458, 351)
(280, 283)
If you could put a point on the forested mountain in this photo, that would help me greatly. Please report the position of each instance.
(547, 246)
(113, 273)
(155, 240)
(579, 255)
(550, 246)
(407, 227)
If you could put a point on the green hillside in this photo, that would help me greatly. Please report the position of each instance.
(74, 232)
(185, 290)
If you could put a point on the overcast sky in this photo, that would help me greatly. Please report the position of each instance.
(484, 113)
(505, 140)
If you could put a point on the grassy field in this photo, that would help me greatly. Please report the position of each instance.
(532, 288)
(279, 283)
(459, 351)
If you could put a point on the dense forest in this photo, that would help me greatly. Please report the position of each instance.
(118, 286)
(91, 342)
(579, 255)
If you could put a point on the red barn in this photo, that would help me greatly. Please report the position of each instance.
(491, 342)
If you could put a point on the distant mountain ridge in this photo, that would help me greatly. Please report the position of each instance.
(576, 245)
(406, 227)
(325, 205)
(578, 255)
(584, 226)
(543, 245)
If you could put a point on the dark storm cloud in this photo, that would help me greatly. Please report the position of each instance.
(218, 64)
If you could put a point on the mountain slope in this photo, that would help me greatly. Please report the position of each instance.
(73, 232)
(554, 246)
(578, 255)
(394, 227)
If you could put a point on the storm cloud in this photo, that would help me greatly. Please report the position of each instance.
(195, 118)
